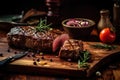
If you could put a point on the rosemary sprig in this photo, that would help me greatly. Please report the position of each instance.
(43, 26)
(83, 61)
(104, 46)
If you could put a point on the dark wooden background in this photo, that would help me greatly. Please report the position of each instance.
(69, 8)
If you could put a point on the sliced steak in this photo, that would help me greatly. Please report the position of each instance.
(71, 49)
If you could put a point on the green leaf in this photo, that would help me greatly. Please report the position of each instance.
(104, 46)
(43, 26)
(82, 62)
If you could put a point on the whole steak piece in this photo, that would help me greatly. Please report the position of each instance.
(26, 37)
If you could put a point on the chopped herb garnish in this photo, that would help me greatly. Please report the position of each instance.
(82, 64)
(84, 57)
(104, 46)
(43, 26)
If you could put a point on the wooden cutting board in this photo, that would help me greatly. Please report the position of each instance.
(51, 64)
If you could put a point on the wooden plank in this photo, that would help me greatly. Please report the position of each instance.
(57, 66)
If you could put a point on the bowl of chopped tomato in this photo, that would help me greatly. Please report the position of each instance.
(78, 28)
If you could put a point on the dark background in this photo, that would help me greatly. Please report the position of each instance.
(69, 8)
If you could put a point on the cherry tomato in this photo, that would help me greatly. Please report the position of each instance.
(107, 35)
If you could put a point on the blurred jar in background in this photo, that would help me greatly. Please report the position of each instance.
(53, 12)
(104, 20)
(116, 17)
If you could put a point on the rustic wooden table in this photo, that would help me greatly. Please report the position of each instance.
(112, 73)
(109, 72)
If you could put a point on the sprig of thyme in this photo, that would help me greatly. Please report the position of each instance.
(104, 46)
(43, 26)
(83, 61)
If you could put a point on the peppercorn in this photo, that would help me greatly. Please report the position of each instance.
(51, 60)
(42, 57)
(15, 52)
(8, 50)
(1, 54)
(35, 63)
(28, 55)
(38, 60)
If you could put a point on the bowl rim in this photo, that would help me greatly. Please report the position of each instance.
(93, 23)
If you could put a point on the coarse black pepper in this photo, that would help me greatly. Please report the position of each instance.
(34, 63)
(28, 55)
(38, 60)
(51, 60)
(1, 54)
(34, 59)
(8, 50)
(15, 52)
(42, 57)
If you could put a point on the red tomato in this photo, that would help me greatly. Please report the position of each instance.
(107, 35)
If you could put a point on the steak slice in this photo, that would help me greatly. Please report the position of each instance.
(26, 37)
(71, 49)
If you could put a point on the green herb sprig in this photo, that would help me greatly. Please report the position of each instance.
(43, 26)
(104, 46)
(83, 61)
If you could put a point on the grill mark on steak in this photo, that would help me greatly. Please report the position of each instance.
(27, 37)
(71, 49)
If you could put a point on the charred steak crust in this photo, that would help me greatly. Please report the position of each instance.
(26, 37)
(71, 49)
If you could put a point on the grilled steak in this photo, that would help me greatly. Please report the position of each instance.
(71, 49)
(26, 37)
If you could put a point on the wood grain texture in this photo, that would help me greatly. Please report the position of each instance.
(100, 58)
(107, 72)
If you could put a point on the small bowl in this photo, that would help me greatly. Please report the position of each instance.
(81, 29)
